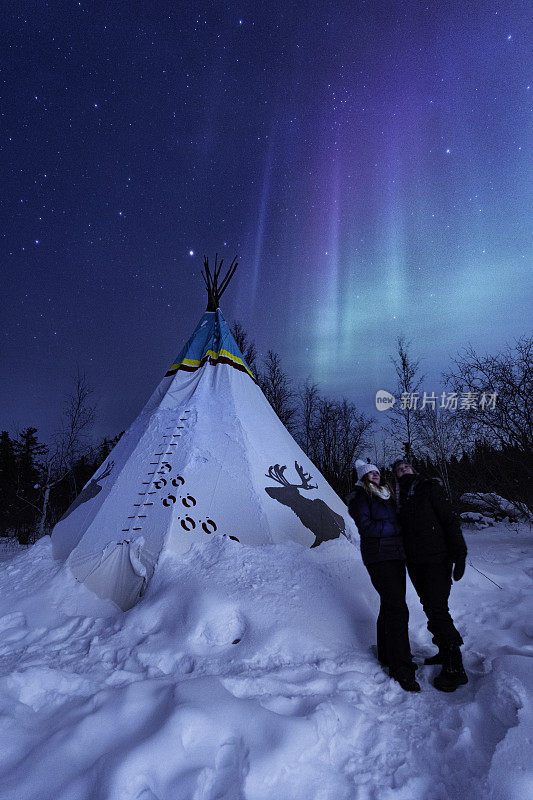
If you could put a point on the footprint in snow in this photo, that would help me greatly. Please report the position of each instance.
(290, 706)
(225, 626)
(224, 781)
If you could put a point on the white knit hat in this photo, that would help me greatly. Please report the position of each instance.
(362, 468)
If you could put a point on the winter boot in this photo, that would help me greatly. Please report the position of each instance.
(406, 679)
(408, 684)
(452, 674)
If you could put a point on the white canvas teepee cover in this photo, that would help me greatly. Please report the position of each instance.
(206, 456)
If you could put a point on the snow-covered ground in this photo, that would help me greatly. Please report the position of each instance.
(249, 674)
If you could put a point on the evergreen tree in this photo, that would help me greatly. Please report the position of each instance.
(28, 452)
(8, 485)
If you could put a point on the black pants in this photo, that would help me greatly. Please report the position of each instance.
(432, 583)
(388, 578)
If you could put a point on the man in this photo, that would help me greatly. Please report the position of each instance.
(434, 546)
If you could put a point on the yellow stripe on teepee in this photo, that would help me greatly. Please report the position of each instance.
(232, 357)
(193, 362)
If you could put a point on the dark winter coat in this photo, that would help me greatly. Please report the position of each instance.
(378, 526)
(430, 527)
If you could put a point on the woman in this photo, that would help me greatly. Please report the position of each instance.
(372, 507)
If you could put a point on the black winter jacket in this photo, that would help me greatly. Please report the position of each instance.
(430, 527)
(378, 526)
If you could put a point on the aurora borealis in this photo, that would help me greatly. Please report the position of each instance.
(369, 162)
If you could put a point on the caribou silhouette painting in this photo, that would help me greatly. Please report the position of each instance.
(90, 491)
(314, 514)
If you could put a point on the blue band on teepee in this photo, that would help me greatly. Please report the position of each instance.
(211, 342)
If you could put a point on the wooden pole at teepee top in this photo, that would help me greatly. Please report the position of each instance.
(214, 290)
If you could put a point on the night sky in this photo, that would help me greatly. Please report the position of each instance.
(369, 163)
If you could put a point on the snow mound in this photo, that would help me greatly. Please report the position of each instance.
(247, 673)
(498, 506)
(9, 547)
(477, 520)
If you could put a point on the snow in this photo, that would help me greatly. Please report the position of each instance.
(247, 673)
(476, 520)
(495, 504)
(8, 548)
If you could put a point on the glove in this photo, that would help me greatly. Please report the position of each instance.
(459, 569)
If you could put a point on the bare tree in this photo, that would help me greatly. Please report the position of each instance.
(278, 390)
(495, 401)
(408, 384)
(439, 437)
(308, 398)
(339, 434)
(327, 434)
(69, 442)
(383, 450)
(245, 344)
(497, 392)
(355, 432)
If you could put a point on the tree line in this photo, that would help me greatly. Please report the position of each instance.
(30, 506)
(476, 437)
(474, 447)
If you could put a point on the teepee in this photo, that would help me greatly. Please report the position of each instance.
(207, 456)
